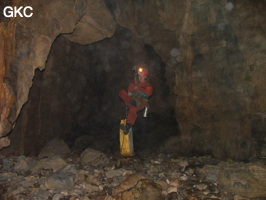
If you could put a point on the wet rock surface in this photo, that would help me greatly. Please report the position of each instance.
(145, 176)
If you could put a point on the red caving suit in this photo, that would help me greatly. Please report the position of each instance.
(145, 89)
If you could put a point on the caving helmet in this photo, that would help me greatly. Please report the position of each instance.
(142, 71)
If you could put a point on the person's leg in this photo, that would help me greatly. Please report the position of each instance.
(124, 96)
(132, 115)
(132, 112)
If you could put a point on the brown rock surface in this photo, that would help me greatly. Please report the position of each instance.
(129, 183)
(7, 94)
(95, 25)
(4, 142)
(248, 180)
(143, 190)
(29, 50)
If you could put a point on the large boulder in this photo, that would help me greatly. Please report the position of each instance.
(248, 180)
(63, 179)
(53, 148)
(143, 189)
(93, 157)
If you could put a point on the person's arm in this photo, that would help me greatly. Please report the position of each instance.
(145, 94)
(149, 90)
(131, 89)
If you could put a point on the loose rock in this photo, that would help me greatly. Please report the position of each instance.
(54, 147)
(94, 158)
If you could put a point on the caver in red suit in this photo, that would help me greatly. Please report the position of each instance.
(137, 95)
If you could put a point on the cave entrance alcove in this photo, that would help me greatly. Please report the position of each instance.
(76, 97)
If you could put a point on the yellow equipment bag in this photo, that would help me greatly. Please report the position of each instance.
(126, 141)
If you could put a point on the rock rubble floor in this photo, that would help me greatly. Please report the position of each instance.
(148, 176)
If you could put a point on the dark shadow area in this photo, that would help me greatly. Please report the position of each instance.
(151, 132)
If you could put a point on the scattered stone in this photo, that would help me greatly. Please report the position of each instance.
(53, 148)
(190, 172)
(174, 160)
(210, 172)
(21, 164)
(247, 180)
(7, 164)
(239, 197)
(4, 142)
(30, 181)
(93, 180)
(201, 186)
(94, 158)
(171, 196)
(58, 197)
(214, 197)
(129, 182)
(143, 190)
(43, 194)
(113, 173)
(90, 187)
(63, 179)
(184, 177)
(183, 164)
(55, 163)
(15, 190)
(206, 192)
(81, 176)
(171, 189)
(164, 186)
(174, 182)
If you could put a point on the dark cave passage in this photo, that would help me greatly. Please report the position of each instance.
(76, 97)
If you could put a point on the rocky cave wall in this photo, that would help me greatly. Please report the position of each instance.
(25, 46)
(76, 96)
(214, 54)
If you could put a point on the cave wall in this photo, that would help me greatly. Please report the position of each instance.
(55, 100)
(25, 45)
(225, 55)
(77, 95)
(214, 54)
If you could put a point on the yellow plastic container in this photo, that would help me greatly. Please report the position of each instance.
(126, 141)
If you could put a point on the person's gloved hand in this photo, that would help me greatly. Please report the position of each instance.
(143, 95)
